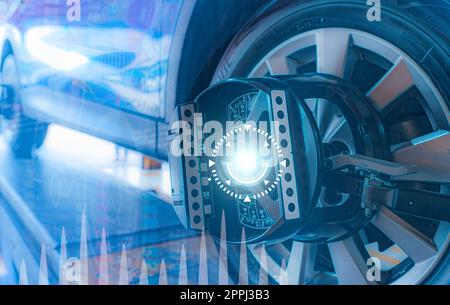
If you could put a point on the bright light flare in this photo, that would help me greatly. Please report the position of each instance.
(246, 161)
(39, 44)
(247, 168)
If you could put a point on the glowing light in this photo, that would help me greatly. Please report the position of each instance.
(247, 161)
(39, 45)
(246, 168)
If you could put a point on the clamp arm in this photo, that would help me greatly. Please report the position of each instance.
(376, 188)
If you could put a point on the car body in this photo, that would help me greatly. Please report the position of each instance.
(113, 68)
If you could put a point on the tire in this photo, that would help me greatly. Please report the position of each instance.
(414, 27)
(23, 134)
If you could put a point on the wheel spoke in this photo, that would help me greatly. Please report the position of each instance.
(300, 261)
(353, 57)
(259, 107)
(261, 71)
(332, 47)
(350, 264)
(300, 268)
(312, 104)
(430, 153)
(273, 267)
(415, 244)
(337, 127)
(326, 116)
(281, 65)
(395, 82)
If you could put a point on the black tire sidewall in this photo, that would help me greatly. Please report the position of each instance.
(397, 26)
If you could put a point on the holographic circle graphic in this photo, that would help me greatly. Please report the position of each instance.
(244, 175)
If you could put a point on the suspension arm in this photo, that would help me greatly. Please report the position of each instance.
(375, 192)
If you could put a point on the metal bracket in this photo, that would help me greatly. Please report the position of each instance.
(370, 165)
(375, 192)
(291, 203)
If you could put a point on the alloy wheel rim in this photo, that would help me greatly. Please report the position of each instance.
(329, 49)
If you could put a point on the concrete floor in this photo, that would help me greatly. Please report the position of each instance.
(62, 201)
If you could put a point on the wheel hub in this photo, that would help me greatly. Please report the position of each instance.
(263, 176)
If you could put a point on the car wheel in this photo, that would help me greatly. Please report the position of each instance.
(400, 64)
(23, 134)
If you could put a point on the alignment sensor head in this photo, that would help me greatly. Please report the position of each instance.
(245, 151)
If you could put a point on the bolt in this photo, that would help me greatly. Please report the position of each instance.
(327, 164)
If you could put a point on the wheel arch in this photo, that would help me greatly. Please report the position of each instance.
(192, 64)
